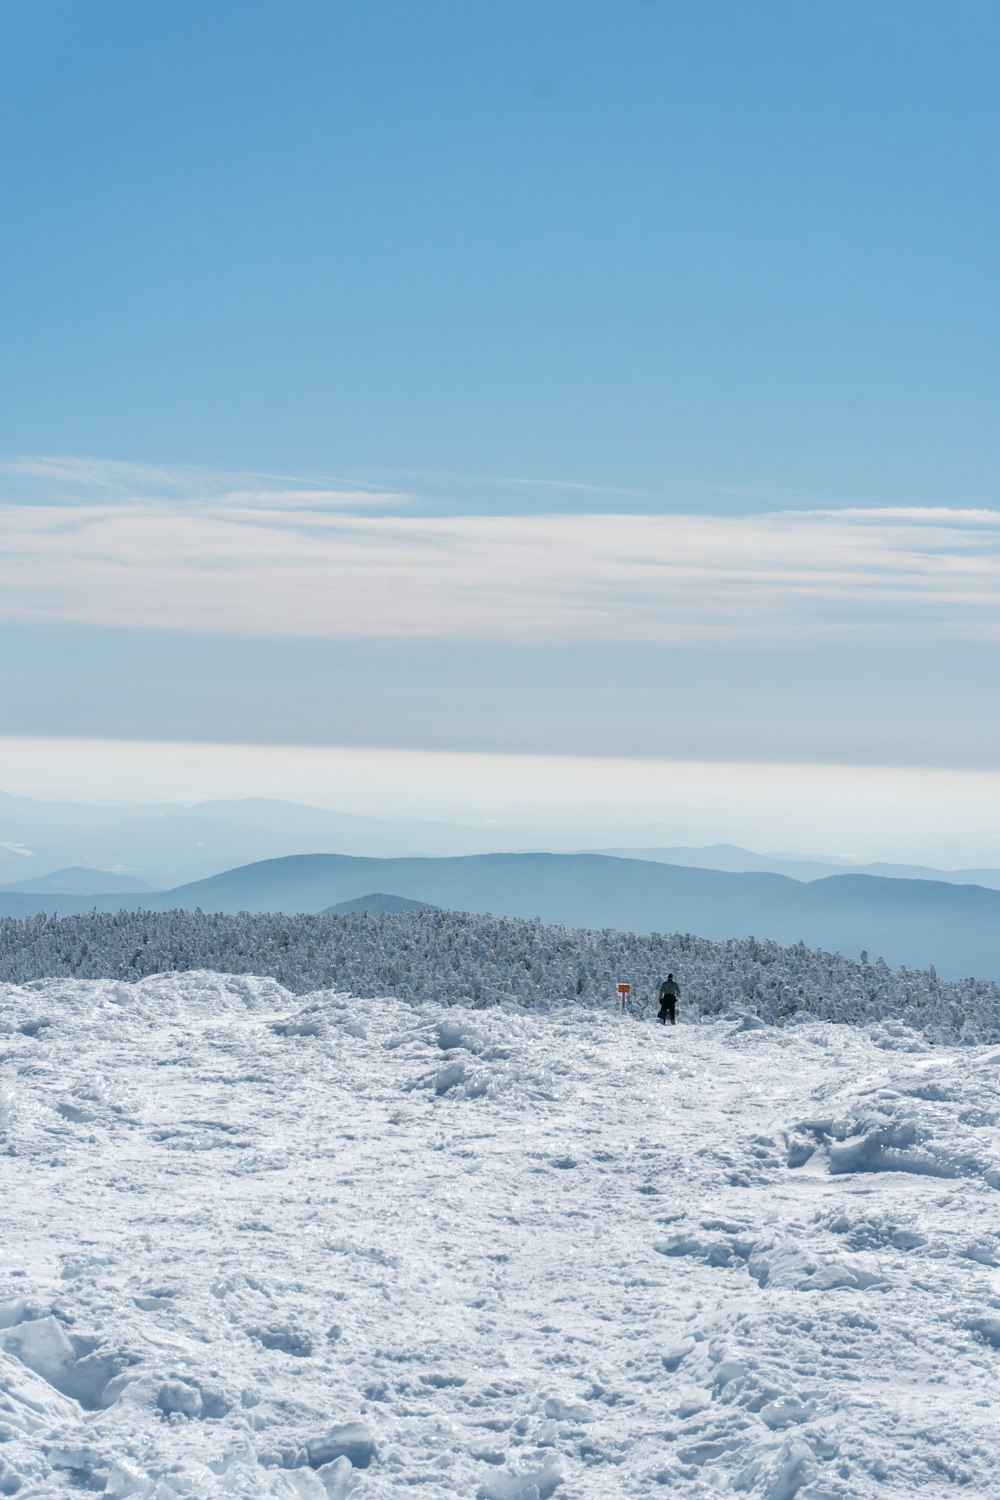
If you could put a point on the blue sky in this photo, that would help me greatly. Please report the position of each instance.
(610, 379)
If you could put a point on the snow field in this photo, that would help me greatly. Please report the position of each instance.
(260, 1245)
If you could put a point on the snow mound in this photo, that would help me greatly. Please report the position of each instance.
(921, 1122)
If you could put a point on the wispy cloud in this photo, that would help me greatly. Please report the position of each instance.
(83, 481)
(304, 559)
(516, 481)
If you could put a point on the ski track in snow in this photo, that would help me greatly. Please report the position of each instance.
(262, 1245)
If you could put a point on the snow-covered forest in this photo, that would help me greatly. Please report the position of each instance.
(485, 961)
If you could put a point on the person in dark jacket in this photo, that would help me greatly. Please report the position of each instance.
(670, 992)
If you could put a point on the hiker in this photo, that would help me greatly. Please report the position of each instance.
(670, 993)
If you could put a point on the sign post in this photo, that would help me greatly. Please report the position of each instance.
(624, 990)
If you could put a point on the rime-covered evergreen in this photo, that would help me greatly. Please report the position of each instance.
(484, 961)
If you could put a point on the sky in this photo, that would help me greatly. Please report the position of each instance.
(574, 380)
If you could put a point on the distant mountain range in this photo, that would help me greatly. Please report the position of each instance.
(798, 866)
(912, 922)
(79, 881)
(163, 845)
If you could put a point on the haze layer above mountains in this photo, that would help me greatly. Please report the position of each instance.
(162, 845)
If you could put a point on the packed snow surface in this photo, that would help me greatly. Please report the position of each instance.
(255, 1244)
